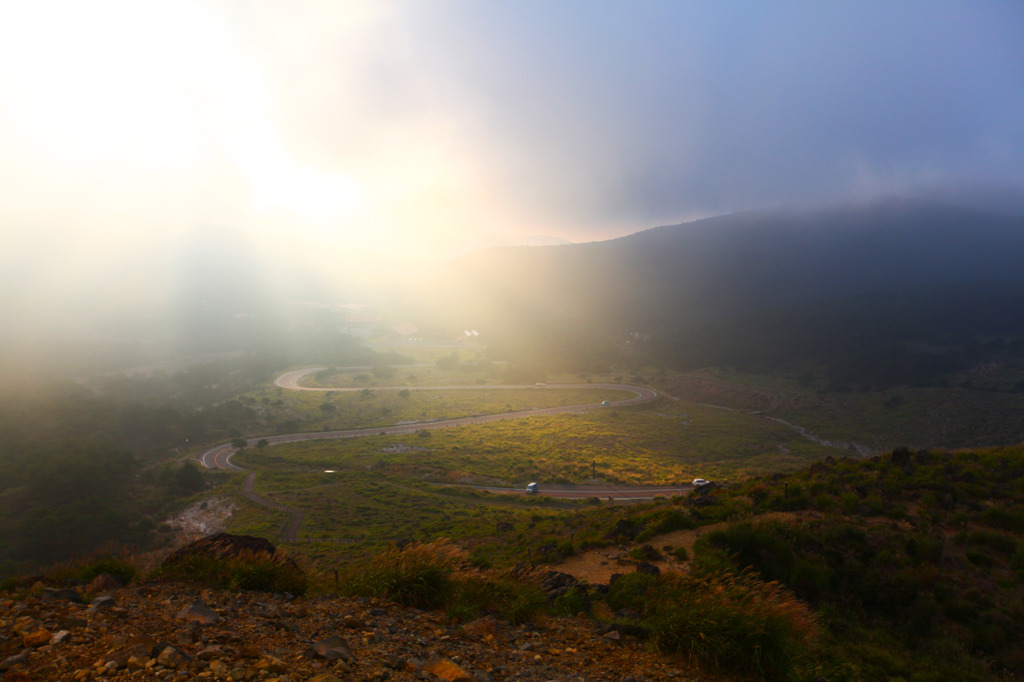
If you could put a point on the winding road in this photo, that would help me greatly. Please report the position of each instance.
(219, 456)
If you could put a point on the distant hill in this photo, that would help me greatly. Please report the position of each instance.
(716, 291)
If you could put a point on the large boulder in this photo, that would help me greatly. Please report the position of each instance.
(227, 546)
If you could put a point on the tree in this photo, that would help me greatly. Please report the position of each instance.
(239, 443)
(188, 479)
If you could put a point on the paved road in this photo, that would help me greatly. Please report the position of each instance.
(615, 492)
(219, 457)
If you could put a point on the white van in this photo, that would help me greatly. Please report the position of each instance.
(531, 489)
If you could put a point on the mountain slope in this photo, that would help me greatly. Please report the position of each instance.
(888, 266)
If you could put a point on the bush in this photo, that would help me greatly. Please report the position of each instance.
(733, 623)
(119, 568)
(260, 572)
(573, 602)
(515, 598)
(1011, 519)
(418, 575)
(439, 575)
(629, 590)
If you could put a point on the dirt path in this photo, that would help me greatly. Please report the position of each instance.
(596, 566)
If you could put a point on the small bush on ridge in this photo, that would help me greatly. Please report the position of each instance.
(255, 571)
(418, 574)
(730, 622)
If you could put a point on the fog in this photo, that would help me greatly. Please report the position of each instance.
(169, 158)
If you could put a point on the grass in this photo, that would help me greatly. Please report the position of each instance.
(736, 623)
(662, 443)
(261, 572)
(273, 410)
(438, 575)
(914, 417)
(384, 488)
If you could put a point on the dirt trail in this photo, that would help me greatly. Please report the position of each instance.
(596, 566)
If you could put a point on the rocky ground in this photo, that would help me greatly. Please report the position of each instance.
(177, 632)
(202, 518)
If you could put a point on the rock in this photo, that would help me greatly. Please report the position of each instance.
(227, 546)
(198, 612)
(353, 623)
(104, 582)
(103, 602)
(613, 636)
(446, 670)
(53, 594)
(484, 629)
(13, 661)
(219, 669)
(25, 625)
(648, 568)
(505, 527)
(60, 636)
(210, 652)
(72, 622)
(172, 657)
(556, 584)
(36, 638)
(272, 665)
(334, 647)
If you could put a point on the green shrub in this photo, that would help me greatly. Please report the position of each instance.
(1011, 519)
(645, 553)
(629, 590)
(1017, 560)
(672, 520)
(256, 571)
(513, 597)
(246, 572)
(119, 568)
(572, 602)
(980, 559)
(417, 575)
(735, 623)
(991, 539)
(681, 554)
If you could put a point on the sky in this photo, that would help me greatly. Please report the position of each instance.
(427, 128)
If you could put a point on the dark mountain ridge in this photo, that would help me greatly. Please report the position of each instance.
(695, 287)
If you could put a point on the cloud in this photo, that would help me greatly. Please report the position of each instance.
(417, 127)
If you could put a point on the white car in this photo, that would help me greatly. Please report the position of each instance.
(698, 482)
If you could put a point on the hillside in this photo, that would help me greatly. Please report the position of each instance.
(181, 632)
(859, 289)
(908, 565)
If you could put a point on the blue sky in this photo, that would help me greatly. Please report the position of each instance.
(432, 126)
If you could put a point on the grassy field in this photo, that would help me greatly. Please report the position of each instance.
(278, 410)
(388, 488)
(661, 443)
(883, 420)
(381, 489)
